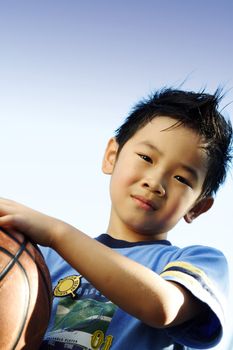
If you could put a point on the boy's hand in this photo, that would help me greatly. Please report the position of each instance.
(38, 227)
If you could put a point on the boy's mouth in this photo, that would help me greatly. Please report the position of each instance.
(144, 203)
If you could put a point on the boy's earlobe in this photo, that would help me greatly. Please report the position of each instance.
(110, 156)
(201, 207)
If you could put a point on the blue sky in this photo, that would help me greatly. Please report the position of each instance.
(70, 72)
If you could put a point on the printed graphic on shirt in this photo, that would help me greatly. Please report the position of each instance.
(67, 286)
(82, 317)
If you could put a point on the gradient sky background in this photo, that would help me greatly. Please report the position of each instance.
(71, 70)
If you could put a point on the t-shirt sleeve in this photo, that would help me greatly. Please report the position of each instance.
(204, 272)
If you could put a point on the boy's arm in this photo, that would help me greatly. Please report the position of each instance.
(133, 287)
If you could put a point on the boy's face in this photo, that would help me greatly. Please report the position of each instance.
(156, 180)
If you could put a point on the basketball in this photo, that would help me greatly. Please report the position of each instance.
(25, 293)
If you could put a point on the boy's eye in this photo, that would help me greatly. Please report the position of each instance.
(146, 158)
(183, 180)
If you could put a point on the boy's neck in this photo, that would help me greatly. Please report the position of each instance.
(130, 236)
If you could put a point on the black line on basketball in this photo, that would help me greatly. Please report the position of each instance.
(13, 260)
(26, 308)
(31, 256)
(27, 295)
(10, 235)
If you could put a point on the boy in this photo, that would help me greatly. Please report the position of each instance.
(133, 289)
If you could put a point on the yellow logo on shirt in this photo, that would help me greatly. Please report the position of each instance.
(67, 285)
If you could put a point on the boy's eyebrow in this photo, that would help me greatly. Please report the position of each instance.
(153, 147)
(186, 167)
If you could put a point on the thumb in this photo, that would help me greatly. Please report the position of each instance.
(6, 221)
(10, 222)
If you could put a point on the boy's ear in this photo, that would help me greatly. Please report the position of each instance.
(110, 156)
(199, 208)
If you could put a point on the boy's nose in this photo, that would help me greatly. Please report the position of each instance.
(155, 185)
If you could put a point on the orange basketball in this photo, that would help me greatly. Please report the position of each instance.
(25, 293)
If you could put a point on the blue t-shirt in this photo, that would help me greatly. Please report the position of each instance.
(83, 318)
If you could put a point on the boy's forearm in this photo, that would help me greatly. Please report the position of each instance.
(131, 286)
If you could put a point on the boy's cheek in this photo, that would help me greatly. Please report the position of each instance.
(123, 178)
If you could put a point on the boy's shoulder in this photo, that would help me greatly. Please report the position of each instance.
(162, 253)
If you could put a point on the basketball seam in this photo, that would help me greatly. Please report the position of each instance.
(14, 259)
(27, 297)
(31, 256)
